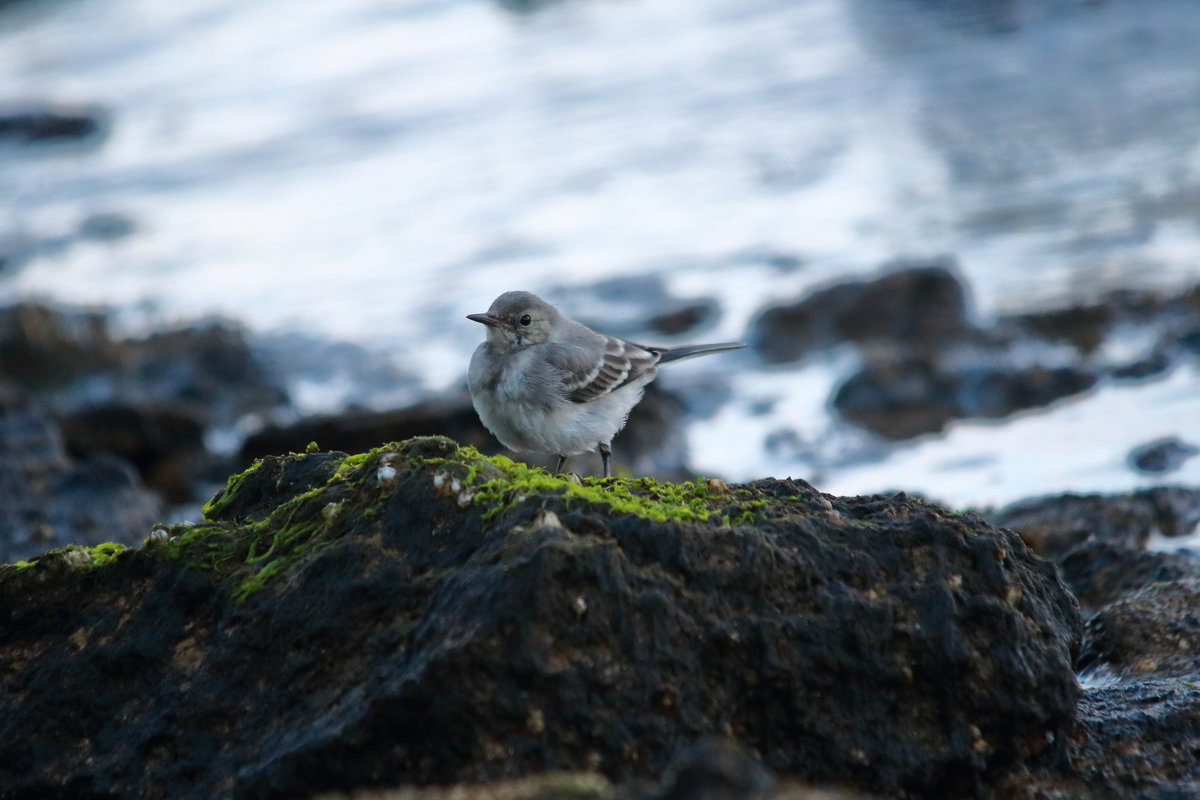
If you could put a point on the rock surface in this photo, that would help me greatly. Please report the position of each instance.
(52, 500)
(1054, 525)
(926, 361)
(1136, 725)
(50, 122)
(147, 401)
(923, 305)
(900, 396)
(1161, 455)
(420, 614)
(1155, 631)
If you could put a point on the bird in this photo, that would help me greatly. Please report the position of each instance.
(544, 383)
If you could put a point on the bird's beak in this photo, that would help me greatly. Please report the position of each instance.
(488, 319)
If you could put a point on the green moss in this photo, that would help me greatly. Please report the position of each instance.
(352, 464)
(498, 484)
(258, 580)
(221, 500)
(252, 553)
(75, 556)
(102, 554)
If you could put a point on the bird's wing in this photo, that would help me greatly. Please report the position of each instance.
(593, 372)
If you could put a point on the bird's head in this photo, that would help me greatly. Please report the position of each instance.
(518, 319)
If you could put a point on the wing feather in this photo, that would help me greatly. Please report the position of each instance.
(619, 363)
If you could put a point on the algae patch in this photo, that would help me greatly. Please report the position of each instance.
(284, 509)
(499, 484)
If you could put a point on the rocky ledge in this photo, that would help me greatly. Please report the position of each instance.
(420, 614)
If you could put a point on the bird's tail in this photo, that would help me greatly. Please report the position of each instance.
(693, 350)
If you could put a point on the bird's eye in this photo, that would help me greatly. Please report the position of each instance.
(525, 320)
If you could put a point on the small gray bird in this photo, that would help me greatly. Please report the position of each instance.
(543, 383)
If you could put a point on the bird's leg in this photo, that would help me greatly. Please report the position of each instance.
(561, 461)
(605, 452)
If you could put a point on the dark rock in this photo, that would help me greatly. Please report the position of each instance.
(1101, 572)
(903, 396)
(48, 500)
(1133, 741)
(921, 306)
(1084, 327)
(208, 371)
(1088, 325)
(898, 399)
(107, 226)
(70, 359)
(1161, 455)
(48, 123)
(1190, 340)
(42, 348)
(1178, 508)
(718, 769)
(165, 446)
(1153, 631)
(421, 615)
(685, 318)
(1151, 364)
(786, 263)
(524, 7)
(149, 400)
(1055, 524)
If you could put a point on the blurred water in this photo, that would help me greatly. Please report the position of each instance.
(373, 171)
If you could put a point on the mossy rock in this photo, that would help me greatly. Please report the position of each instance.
(420, 614)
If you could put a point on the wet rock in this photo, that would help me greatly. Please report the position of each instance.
(1100, 572)
(1189, 341)
(164, 445)
(1148, 365)
(149, 401)
(902, 396)
(523, 7)
(1140, 739)
(1161, 455)
(926, 363)
(919, 305)
(50, 123)
(42, 348)
(70, 359)
(718, 769)
(1153, 631)
(1055, 524)
(422, 616)
(107, 226)
(208, 371)
(1084, 327)
(685, 318)
(1087, 326)
(50, 500)
(1133, 741)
